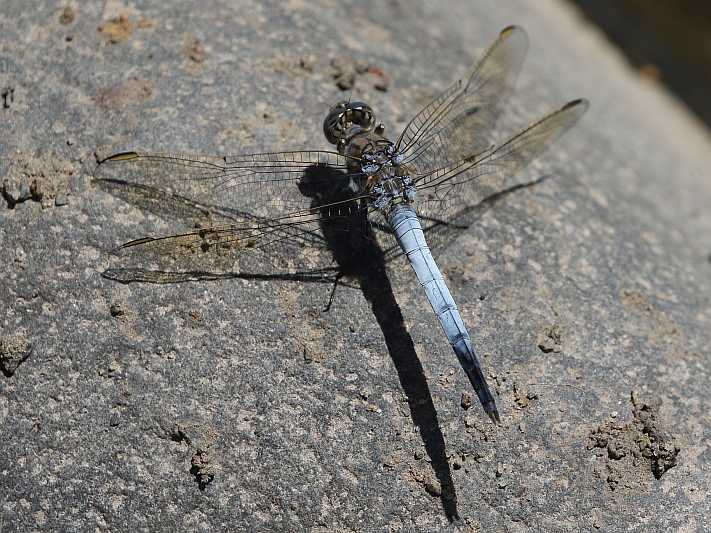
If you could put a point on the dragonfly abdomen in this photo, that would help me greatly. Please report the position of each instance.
(408, 232)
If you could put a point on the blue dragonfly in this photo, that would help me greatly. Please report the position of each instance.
(405, 191)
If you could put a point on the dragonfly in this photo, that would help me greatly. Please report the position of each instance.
(278, 205)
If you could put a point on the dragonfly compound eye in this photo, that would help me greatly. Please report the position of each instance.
(344, 117)
(334, 125)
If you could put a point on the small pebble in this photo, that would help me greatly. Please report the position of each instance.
(433, 488)
(61, 200)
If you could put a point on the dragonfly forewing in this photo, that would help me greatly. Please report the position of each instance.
(459, 122)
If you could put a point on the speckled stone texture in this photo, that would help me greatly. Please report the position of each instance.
(239, 404)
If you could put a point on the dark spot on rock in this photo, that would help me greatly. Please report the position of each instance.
(7, 95)
(472, 110)
(116, 310)
(179, 435)
(306, 64)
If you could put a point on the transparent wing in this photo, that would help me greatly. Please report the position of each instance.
(459, 121)
(272, 205)
(448, 196)
(267, 185)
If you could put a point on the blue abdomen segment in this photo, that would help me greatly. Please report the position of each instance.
(408, 231)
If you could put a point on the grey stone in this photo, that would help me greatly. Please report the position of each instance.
(609, 255)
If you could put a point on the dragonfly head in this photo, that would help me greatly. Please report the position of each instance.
(346, 119)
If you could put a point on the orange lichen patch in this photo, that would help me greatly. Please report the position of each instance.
(117, 29)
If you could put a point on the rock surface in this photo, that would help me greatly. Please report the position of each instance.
(238, 404)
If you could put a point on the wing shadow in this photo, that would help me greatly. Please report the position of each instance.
(173, 206)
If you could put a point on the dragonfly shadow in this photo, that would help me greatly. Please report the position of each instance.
(358, 256)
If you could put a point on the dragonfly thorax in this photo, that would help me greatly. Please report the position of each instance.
(392, 190)
(379, 154)
(379, 164)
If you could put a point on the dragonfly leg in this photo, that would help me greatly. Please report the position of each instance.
(327, 308)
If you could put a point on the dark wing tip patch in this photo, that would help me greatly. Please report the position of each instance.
(514, 31)
(583, 103)
(137, 242)
(510, 29)
(121, 156)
